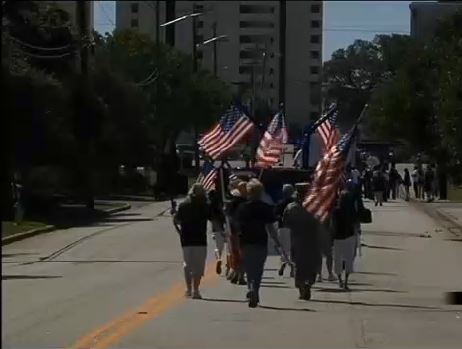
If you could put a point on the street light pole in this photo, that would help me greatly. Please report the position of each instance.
(215, 49)
(194, 57)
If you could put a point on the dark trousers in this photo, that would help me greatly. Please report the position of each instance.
(253, 258)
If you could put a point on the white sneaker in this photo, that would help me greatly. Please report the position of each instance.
(197, 295)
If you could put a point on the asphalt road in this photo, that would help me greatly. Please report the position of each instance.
(119, 284)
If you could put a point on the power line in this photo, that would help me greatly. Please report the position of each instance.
(364, 30)
(61, 48)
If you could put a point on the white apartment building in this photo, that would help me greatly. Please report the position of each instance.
(273, 48)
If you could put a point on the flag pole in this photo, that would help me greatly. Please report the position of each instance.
(223, 197)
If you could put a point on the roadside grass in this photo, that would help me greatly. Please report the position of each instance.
(10, 228)
(455, 193)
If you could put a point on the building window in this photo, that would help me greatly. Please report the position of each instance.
(134, 23)
(199, 39)
(315, 97)
(256, 9)
(198, 7)
(315, 54)
(315, 39)
(134, 7)
(315, 24)
(271, 71)
(200, 24)
(316, 8)
(314, 70)
(250, 39)
(256, 24)
(248, 54)
(271, 85)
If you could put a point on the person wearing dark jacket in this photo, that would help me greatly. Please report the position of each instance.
(378, 186)
(305, 237)
(238, 197)
(191, 223)
(345, 216)
(283, 231)
(407, 183)
(256, 220)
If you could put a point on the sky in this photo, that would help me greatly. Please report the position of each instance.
(344, 21)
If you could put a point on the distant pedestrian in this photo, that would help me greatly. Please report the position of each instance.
(218, 228)
(345, 217)
(394, 183)
(283, 231)
(305, 236)
(327, 245)
(421, 182)
(17, 190)
(256, 220)
(378, 186)
(191, 223)
(415, 182)
(428, 183)
(407, 183)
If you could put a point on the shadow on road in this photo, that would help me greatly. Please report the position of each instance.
(223, 300)
(375, 273)
(383, 247)
(274, 286)
(338, 290)
(29, 277)
(408, 306)
(286, 309)
(127, 220)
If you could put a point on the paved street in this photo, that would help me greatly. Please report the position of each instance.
(118, 284)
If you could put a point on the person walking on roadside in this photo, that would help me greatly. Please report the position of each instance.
(407, 184)
(421, 182)
(345, 216)
(255, 220)
(305, 229)
(218, 225)
(428, 183)
(284, 232)
(238, 197)
(378, 186)
(415, 182)
(190, 222)
(327, 245)
(394, 182)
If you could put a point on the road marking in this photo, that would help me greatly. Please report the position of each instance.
(113, 332)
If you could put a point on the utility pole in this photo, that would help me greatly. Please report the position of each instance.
(215, 70)
(157, 21)
(86, 125)
(194, 57)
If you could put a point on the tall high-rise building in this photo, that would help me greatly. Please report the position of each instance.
(273, 51)
(71, 8)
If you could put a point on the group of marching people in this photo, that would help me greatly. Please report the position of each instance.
(241, 228)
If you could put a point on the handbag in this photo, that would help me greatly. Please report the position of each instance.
(365, 215)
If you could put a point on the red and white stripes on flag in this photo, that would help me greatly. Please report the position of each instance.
(234, 125)
(328, 179)
(329, 133)
(272, 144)
(208, 176)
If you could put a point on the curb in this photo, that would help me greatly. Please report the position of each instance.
(118, 209)
(27, 234)
(445, 220)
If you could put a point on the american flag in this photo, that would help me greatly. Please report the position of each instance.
(232, 128)
(328, 131)
(272, 144)
(328, 178)
(208, 176)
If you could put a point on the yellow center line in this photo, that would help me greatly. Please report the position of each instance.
(114, 331)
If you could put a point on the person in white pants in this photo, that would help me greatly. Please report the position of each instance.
(284, 232)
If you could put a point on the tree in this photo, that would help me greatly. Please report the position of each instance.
(422, 103)
(352, 73)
